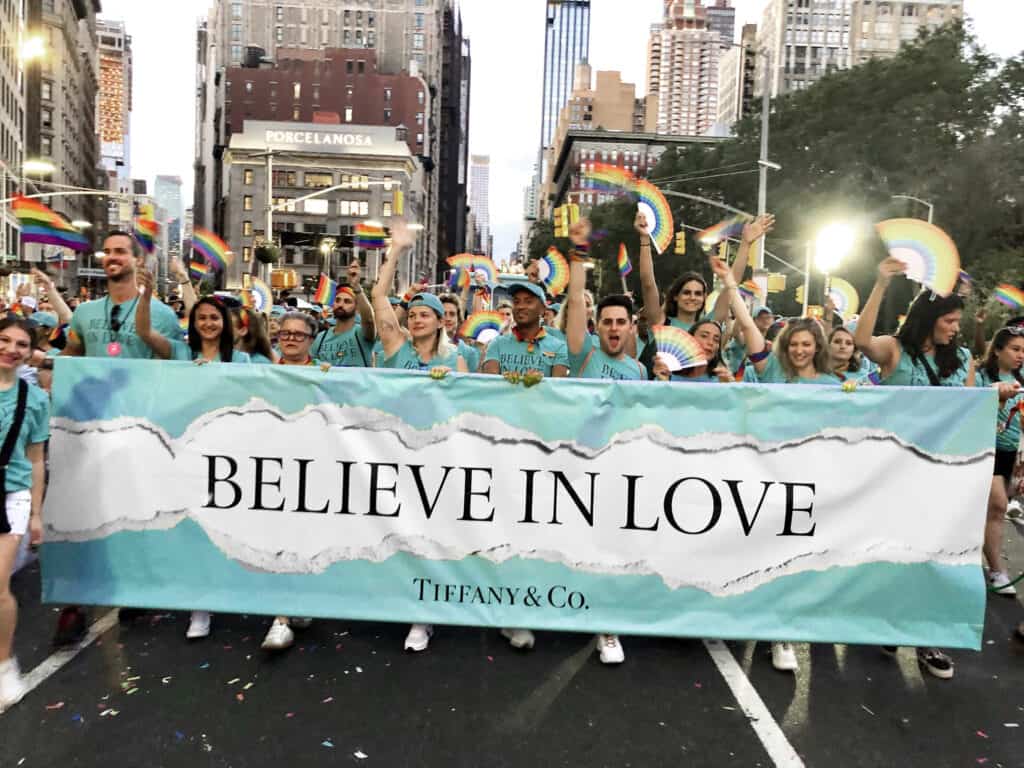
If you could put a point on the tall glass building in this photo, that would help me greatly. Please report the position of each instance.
(566, 44)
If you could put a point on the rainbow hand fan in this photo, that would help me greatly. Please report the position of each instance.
(554, 271)
(653, 205)
(609, 177)
(678, 348)
(723, 230)
(212, 248)
(470, 263)
(1009, 296)
(929, 253)
(262, 296)
(482, 326)
(844, 296)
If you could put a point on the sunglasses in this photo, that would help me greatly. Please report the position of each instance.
(115, 314)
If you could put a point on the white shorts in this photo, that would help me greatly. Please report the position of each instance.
(19, 510)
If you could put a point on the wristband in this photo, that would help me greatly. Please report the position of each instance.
(407, 297)
(580, 252)
(758, 357)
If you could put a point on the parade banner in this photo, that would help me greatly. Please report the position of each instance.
(733, 511)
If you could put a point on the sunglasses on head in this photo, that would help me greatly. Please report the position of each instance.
(1015, 330)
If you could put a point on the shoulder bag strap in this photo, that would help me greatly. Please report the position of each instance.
(8, 450)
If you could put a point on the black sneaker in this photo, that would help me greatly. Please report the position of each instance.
(890, 650)
(935, 662)
(128, 615)
(71, 626)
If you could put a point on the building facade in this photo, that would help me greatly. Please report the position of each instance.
(805, 39)
(12, 119)
(736, 70)
(167, 193)
(683, 52)
(479, 199)
(114, 108)
(566, 44)
(453, 166)
(879, 29)
(359, 170)
(60, 106)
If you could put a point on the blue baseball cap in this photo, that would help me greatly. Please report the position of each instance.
(278, 311)
(555, 307)
(428, 300)
(395, 301)
(46, 319)
(762, 309)
(533, 288)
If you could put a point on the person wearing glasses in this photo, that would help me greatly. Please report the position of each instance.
(924, 353)
(106, 327)
(1002, 370)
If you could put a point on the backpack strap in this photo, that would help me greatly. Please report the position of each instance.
(7, 450)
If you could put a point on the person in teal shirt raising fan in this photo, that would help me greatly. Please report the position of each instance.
(424, 345)
(25, 416)
(349, 343)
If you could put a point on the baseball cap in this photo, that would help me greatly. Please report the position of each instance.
(28, 301)
(533, 288)
(555, 307)
(428, 300)
(762, 309)
(46, 319)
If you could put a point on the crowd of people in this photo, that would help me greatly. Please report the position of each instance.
(541, 338)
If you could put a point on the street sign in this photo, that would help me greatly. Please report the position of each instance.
(90, 272)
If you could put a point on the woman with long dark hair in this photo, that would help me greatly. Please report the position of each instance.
(211, 335)
(251, 335)
(1002, 370)
(25, 415)
(924, 353)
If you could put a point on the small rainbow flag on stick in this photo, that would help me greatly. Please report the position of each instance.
(623, 261)
(369, 236)
(198, 270)
(40, 224)
(1009, 296)
(212, 248)
(146, 228)
(326, 290)
(731, 227)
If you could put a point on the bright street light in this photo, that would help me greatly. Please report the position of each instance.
(833, 244)
(38, 167)
(81, 224)
(32, 48)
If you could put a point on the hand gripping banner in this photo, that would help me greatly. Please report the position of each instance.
(764, 512)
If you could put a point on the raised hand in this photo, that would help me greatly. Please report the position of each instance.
(640, 225)
(354, 272)
(758, 228)
(401, 236)
(579, 233)
(889, 268)
(661, 371)
(177, 270)
(722, 271)
(42, 279)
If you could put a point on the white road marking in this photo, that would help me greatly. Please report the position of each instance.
(768, 731)
(58, 659)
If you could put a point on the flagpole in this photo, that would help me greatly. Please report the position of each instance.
(623, 278)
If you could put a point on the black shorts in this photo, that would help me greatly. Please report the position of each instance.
(1004, 464)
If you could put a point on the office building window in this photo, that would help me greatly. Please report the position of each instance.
(387, 94)
(417, 41)
(386, 209)
(285, 179)
(387, 115)
(236, 53)
(236, 32)
(295, 114)
(296, 90)
(318, 180)
(279, 34)
(279, 13)
(247, 203)
(371, 39)
(360, 67)
(419, 138)
(420, 98)
(246, 253)
(236, 10)
(419, 20)
(247, 176)
(387, 183)
(346, 38)
(364, 208)
(46, 91)
(47, 117)
(419, 118)
(46, 145)
(247, 228)
(348, 114)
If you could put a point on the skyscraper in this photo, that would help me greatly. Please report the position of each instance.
(479, 191)
(167, 193)
(736, 79)
(566, 44)
(682, 65)
(805, 40)
(879, 29)
(113, 115)
(12, 117)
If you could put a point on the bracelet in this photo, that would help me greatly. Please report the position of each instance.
(579, 252)
(759, 356)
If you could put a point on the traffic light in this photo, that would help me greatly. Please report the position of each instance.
(573, 214)
(681, 243)
(799, 294)
(561, 226)
(399, 203)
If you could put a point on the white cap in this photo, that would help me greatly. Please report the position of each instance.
(28, 301)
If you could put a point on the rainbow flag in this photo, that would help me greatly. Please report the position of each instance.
(368, 236)
(40, 224)
(731, 227)
(146, 228)
(623, 261)
(212, 248)
(198, 270)
(326, 290)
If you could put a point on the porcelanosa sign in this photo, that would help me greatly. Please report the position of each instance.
(318, 139)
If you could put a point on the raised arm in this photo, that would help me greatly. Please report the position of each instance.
(884, 351)
(188, 293)
(391, 335)
(363, 307)
(648, 284)
(160, 345)
(742, 319)
(752, 232)
(980, 342)
(575, 305)
(63, 311)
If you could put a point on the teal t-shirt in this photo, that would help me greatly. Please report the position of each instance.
(675, 322)
(1007, 428)
(911, 373)
(471, 355)
(734, 354)
(257, 359)
(349, 349)
(514, 355)
(34, 429)
(237, 356)
(406, 357)
(550, 330)
(774, 374)
(593, 363)
(91, 324)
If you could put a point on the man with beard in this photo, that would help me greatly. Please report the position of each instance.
(348, 344)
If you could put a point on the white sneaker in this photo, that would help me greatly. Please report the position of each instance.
(198, 625)
(12, 689)
(518, 638)
(610, 649)
(419, 637)
(279, 637)
(1014, 510)
(999, 582)
(784, 657)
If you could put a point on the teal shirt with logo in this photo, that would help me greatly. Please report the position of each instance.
(348, 349)
(912, 373)
(593, 363)
(513, 355)
(773, 373)
(34, 429)
(91, 324)
(1008, 420)
(406, 358)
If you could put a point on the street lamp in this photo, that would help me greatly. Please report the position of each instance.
(929, 206)
(81, 224)
(32, 48)
(832, 244)
(38, 167)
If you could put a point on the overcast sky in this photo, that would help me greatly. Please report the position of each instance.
(507, 51)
